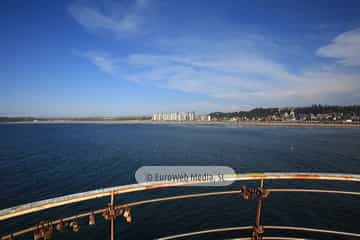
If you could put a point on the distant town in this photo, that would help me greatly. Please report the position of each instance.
(315, 113)
(323, 114)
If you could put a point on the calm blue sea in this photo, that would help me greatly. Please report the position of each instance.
(39, 161)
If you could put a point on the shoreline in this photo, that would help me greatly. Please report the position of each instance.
(240, 123)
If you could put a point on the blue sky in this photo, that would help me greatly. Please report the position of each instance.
(120, 58)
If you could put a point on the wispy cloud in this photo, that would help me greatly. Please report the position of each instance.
(238, 74)
(345, 48)
(117, 18)
(103, 61)
(204, 107)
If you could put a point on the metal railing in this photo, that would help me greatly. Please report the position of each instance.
(45, 229)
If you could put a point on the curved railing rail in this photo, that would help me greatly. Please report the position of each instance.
(44, 230)
(266, 227)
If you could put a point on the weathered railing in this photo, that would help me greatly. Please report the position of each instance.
(44, 230)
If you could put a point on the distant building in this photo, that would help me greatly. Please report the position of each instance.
(204, 118)
(174, 116)
(303, 116)
(292, 115)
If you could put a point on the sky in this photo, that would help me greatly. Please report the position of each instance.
(133, 58)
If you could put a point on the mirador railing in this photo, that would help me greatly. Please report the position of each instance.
(44, 230)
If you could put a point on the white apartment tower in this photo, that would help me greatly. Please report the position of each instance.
(174, 116)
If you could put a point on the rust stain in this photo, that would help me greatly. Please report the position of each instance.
(302, 176)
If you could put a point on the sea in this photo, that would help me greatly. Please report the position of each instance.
(41, 161)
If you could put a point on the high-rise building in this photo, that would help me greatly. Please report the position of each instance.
(174, 116)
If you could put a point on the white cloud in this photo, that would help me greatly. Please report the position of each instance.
(110, 16)
(234, 76)
(103, 61)
(345, 48)
(226, 78)
(204, 107)
(259, 81)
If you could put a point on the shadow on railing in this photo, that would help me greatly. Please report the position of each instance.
(44, 230)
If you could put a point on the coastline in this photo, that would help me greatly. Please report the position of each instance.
(240, 123)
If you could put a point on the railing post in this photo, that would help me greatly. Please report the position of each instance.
(258, 229)
(112, 224)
